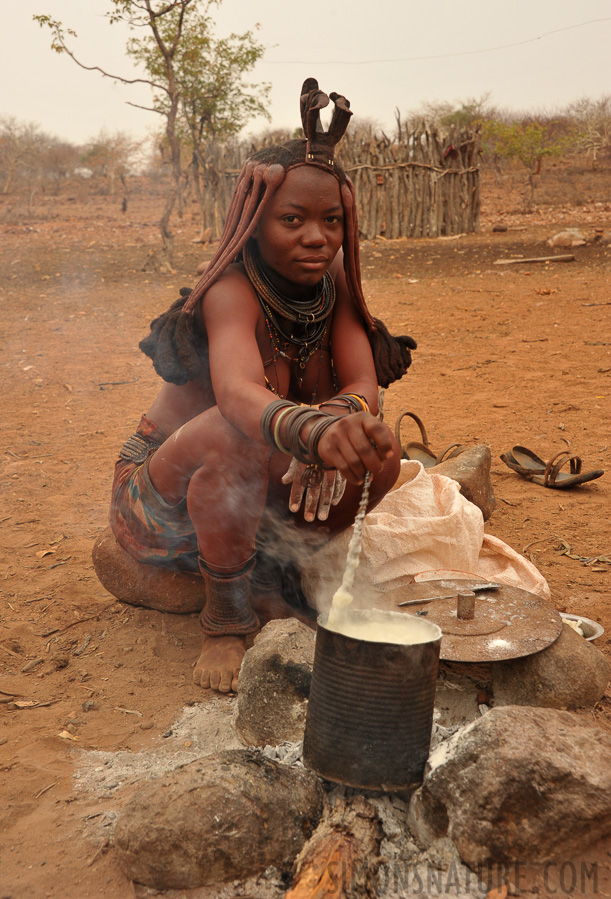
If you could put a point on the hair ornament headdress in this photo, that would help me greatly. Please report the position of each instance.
(320, 144)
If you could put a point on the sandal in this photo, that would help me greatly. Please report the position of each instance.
(421, 452)
(549, 474)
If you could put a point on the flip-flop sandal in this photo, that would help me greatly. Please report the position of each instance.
(549, 474)
(421, 452)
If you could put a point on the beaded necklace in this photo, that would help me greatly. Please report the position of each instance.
(309, 316)
(277, 351)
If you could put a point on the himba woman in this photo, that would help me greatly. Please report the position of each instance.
(271, 368)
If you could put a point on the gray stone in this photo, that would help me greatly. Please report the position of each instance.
(144, 585)
(569, 674)
(571, 237)
(274, 684)
(471, 469)
(519, 784)
(221, 818)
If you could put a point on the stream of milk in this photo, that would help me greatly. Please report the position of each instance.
(374, 624)
(342, 598)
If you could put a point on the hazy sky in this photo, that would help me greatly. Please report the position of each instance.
(380, 55)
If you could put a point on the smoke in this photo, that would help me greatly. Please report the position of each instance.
(318, 557)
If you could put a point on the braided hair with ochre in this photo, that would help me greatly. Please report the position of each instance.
(179, 355)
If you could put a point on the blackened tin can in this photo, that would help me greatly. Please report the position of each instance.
(370, 712)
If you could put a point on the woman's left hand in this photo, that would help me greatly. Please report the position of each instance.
(318, 497)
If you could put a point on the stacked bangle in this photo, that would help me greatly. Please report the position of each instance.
(316, 431)
(352, 401)
(268, 416)
(285, 435)
(292, 431)
(282, 414)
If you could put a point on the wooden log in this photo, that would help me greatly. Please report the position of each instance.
(342, 856)
(567, 257)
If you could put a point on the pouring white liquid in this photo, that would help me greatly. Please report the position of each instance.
(342, 598)
(373, 625)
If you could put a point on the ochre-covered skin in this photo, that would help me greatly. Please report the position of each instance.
(298, 216)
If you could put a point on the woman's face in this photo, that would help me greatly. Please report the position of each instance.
(301, 229)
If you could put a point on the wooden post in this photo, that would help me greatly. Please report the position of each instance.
(465, 605)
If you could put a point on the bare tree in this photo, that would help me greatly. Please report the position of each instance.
(593, 118)
(111, 158)
(19, 149)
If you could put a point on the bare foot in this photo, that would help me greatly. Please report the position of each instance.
(219, 663)
(270, 606)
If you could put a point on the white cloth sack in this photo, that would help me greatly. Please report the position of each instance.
(423, 530)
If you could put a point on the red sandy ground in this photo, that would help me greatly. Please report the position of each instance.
(507, 355)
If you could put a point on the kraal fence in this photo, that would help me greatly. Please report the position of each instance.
(424, 184)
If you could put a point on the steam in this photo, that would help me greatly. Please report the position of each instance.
(286, 544)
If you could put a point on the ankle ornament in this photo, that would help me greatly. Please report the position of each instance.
(227, 610)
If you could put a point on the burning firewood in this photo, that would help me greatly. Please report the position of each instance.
(342, 856)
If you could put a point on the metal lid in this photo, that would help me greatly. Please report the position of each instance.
(508, 623)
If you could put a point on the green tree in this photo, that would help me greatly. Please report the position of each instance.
(215, 100)
(529, 143)
(197, 80)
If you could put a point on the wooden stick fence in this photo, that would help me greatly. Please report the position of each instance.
(423, 184)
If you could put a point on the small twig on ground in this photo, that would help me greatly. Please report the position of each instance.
(57, 630)
(34, 663)
(103, 848)
(115, 383)
(567, 257)
(83, 646)
(44, 790)
(587, 560)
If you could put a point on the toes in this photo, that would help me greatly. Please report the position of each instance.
(225, 683)
(201, 677)
(234, 682)
(215, 679)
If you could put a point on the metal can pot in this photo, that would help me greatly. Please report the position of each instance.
(370, 712)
